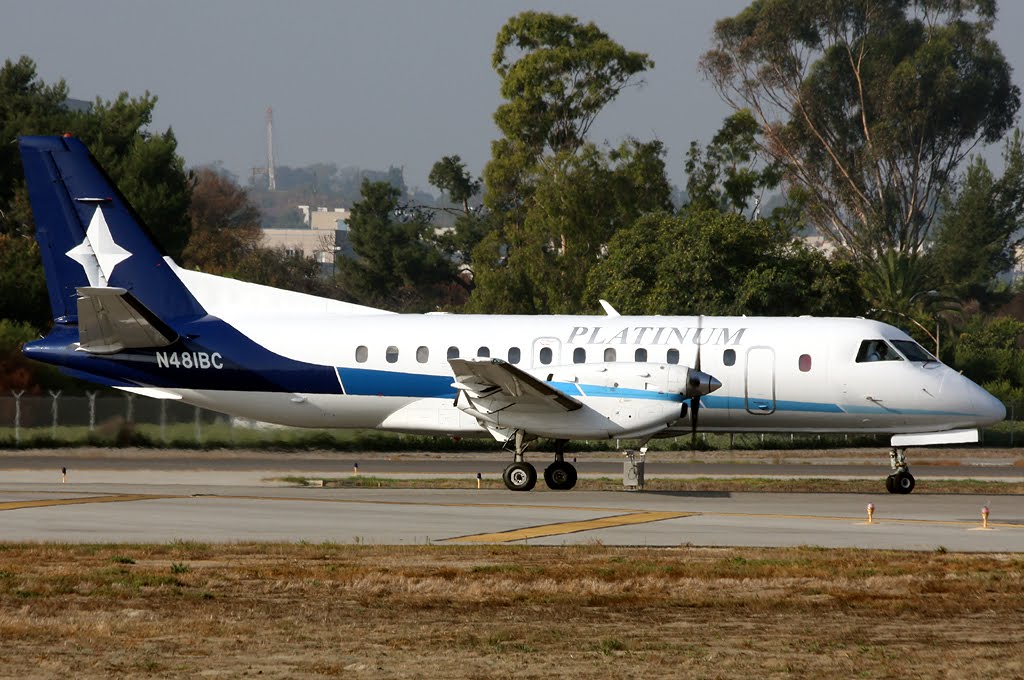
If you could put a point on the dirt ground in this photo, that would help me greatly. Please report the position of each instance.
(299, 610)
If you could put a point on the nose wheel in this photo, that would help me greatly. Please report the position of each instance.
(900, 481)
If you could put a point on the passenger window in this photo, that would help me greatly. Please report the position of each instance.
(579, 355)
(876, 350)
(484, 352)
(729, 357)
(513, 355)
(391, 355)
(640, 355)
(422, 354)
(361, 354)
(805, 362)
(672, 356)
(545, 356)
(453, 352)
(609, 354)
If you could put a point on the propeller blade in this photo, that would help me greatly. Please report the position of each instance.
(694, 410)
(695, 384)
(700, 323)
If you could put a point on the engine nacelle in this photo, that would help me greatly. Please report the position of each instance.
(653, 377)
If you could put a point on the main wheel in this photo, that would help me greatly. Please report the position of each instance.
(520, 477)
(890, 483)
(904, 482)
(560, 476)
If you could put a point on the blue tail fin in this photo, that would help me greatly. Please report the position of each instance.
(90, 236)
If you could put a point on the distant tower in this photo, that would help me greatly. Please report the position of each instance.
(271, 183)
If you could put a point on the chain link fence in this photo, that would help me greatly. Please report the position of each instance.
(102, 419)
(123, 419)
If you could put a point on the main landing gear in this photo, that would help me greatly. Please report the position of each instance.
(522, 476)
(900, 480)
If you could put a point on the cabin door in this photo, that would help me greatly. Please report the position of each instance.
(760, 383)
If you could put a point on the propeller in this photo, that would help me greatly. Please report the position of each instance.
(698, 383)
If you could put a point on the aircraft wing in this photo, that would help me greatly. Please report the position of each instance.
(112, 319)
(496, 384)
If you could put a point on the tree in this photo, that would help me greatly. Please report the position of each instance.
(225, 224)
(729, 265)
(579, 201)
(989, 350)
(725, 175)
(144, 165)
(27, 105)
(275, 267)
(450, 176)
(556, 77)
(471, 225)
(397, 265)
(979, 226)
(23, 294)
(868, 105)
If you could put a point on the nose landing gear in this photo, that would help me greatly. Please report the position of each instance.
(900, 480)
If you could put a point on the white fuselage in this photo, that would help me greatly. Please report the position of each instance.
(777, 374)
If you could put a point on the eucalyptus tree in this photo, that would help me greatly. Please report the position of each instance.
(868, 105)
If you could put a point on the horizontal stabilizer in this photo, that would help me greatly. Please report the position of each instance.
(151, 392)
(500, 382)
(111, 320)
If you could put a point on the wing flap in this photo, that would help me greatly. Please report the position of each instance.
(493, 382)
(111, 320)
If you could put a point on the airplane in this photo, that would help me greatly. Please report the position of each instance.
(125, 315)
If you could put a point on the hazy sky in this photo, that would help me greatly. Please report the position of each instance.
(372, 84)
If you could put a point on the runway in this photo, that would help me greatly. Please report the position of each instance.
(131, 496)
(110, 513)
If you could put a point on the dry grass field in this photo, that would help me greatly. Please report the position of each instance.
(303, 610)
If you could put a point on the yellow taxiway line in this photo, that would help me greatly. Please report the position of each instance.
(50, 502)
(561, 528)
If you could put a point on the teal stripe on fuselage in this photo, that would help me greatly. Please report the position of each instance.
(371, 382)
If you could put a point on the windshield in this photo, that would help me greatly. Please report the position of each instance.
(876, 350)
(913, 351)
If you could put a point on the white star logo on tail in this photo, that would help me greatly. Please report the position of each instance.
(98, 253)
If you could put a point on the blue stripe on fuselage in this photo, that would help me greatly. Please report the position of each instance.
(369, 382)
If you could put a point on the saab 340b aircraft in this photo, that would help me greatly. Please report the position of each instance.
(128, 317)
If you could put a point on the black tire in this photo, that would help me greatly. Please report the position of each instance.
(520, 477)
(890, 483)
(560, 476)
(904, 482)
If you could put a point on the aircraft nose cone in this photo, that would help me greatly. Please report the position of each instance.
(989, 409)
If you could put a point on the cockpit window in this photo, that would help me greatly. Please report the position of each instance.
(876, 350)
(913, 351)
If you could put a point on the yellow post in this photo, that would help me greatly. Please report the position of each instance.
(871, 513)
(63, 475)
(478, 479)
(355, 469)
(984, 517)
